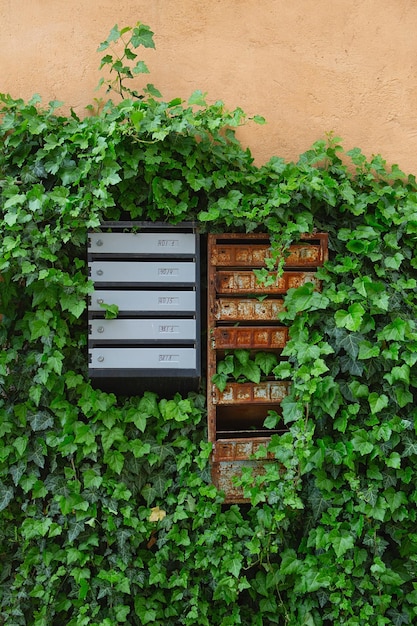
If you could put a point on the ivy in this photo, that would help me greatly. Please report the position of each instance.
(107, 511)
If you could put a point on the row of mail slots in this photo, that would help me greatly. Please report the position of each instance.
(150, 273)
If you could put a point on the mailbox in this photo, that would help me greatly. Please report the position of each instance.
(150, 273)
(243, 314)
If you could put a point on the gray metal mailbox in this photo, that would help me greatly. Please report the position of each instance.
(150, 272)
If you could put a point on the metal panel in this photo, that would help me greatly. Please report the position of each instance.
(238, 449)
(119, 272)
(161, 244)
(242, 309)
(145, 301)
(251, 250)
(235, 255)
(143, 330)
(225, 473)
(240, 282)
(241, 393)
(261, 338)
(162, 358)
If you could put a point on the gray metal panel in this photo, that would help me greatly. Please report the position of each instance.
(142, 243)
(144, 301)
(161, 329)
(162, 358)
(143, 272)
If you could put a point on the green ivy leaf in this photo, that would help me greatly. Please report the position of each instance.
(342, 541)
(266, 361)
(377, 402)
(251, 371)
(350, 319)
(115, 460)
(6, 496)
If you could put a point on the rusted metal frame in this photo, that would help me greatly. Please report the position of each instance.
(230, 455)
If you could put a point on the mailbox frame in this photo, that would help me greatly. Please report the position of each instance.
(147, 296)
(237, 318)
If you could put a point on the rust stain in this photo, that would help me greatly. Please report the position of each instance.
(262, 338)
(257, 393)
(245, 282)
(232, 309)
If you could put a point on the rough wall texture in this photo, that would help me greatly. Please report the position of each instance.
(308, 66)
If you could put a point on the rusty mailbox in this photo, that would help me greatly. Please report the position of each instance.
(151, 273)
(242, 313)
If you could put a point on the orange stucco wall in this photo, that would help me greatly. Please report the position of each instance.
(308, 66)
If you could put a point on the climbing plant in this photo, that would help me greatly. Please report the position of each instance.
(107, 512)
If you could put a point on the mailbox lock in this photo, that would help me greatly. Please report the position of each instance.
(100, 301)
(100, 359)
(99, 242)
(100, 329)
(99, 272)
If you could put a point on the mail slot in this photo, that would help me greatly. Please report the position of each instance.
(137, 243)
(254, 338)
(150, 272)
(254, 255)
(162, 358)
(144, 301)
(140, 330)
(242, 309)
(242, 393)
(137, 272)
(239, 282)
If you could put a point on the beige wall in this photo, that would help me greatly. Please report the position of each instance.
(308, 66)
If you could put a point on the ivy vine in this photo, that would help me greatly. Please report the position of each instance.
(107, 512)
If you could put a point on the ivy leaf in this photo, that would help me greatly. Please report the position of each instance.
(142, 36)
(114, 460)
(33, 528)
(394, 262)
(73, 303)
(143, 610)
(342, 541)
(227, 365)
(220, 380)
(377, 402)
(368, 350)
(350, 343)
(350, 319)
(304, 298)
(75, 529)
(292, 410)
(242, 356)
(282, 370)
(233, 565)
(6, 496)
(92, 479)
(251, 371)
(272, 419)
(198, 98)
(41, 421)
(410, 446)
(139, 448)
(361, 442)
(148, 405)
(140, 68)
(266, 361)
(175, 410)
(395, 331)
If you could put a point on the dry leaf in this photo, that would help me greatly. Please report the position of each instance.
(157, 514)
